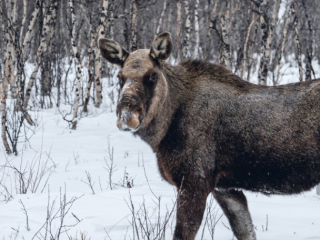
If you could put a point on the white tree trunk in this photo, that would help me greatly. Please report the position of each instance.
(3, 100)
(282, 45)
(187, 27)
(77, 58)
(97, 80)
(3, 110)
(24, 18)
(226, 55)
(251, 50)
(27, 38)
(90, 67)
(310, 48)
(10, 53)
(245, 59)
(103, 26)
(178, 29)
(297, 39)
(210, 27)
(134, 31)
(197, 50)
(265, 42)
(47, 33)
(161, 16)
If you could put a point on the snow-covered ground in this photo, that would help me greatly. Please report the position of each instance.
(73, 153)
(67, 159)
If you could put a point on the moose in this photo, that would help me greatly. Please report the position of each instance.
(213, 132)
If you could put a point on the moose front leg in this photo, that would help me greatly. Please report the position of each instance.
(235, 207)
(190, 209)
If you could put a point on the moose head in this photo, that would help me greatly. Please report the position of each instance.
(143, 86)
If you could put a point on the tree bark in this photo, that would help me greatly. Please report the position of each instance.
(265, 42)
(187, 27)
(283, 40)
(245, 59)
(24, 18)
(178, 29)
(310, 46)
(297, 39)
(90, 67)
(47, 33)
(26, 41)
(103, 26)
(251, 51)
(3, 110)
(161, 17)
(9, 18)
(226, 55)
(197, 50)
(210, 27)
(77, 58)
(3, 99)
(134, 33)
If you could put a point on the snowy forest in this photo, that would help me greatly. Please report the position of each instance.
(65, 170)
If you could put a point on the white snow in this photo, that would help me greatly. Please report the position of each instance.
(71, 156)
(76, 152)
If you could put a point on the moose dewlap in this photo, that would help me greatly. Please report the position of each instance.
(215, 133)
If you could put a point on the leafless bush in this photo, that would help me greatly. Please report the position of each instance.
(110, 166)
(54, 226)
(212, 218)
(148, 223)
(26, 214)
(89, 182)
(26, 176)
(126, 181)
(17, 129)
(83, 236)
(14, 235)
(6, 191)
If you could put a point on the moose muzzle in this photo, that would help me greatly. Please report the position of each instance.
(129, 108)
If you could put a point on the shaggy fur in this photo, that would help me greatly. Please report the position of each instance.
(214, 133)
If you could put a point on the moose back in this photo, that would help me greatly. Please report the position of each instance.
(215, 133)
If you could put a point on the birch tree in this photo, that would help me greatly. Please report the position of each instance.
(103, 26)
(161, 16)
(178, 29)
(10, 17)
(3, 95)
(245, 46)
(134, 13)
(3, 110)
(90, 67)
(47, 33)
(196, 30)
(226, 55)
(310, 45)
(251, 51)
(210, 26)
(283, 40)
(297, 39)
(267, 25)
(76, 56)
(187, 28)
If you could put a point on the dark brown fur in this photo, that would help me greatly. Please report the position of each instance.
(212, 132)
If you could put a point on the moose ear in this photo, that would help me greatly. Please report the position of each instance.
(112, 51)
(161, 47)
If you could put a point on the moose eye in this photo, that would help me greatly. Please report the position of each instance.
(152, 80)
(153, 76)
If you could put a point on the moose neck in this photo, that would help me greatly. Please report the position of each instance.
(156, 130)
